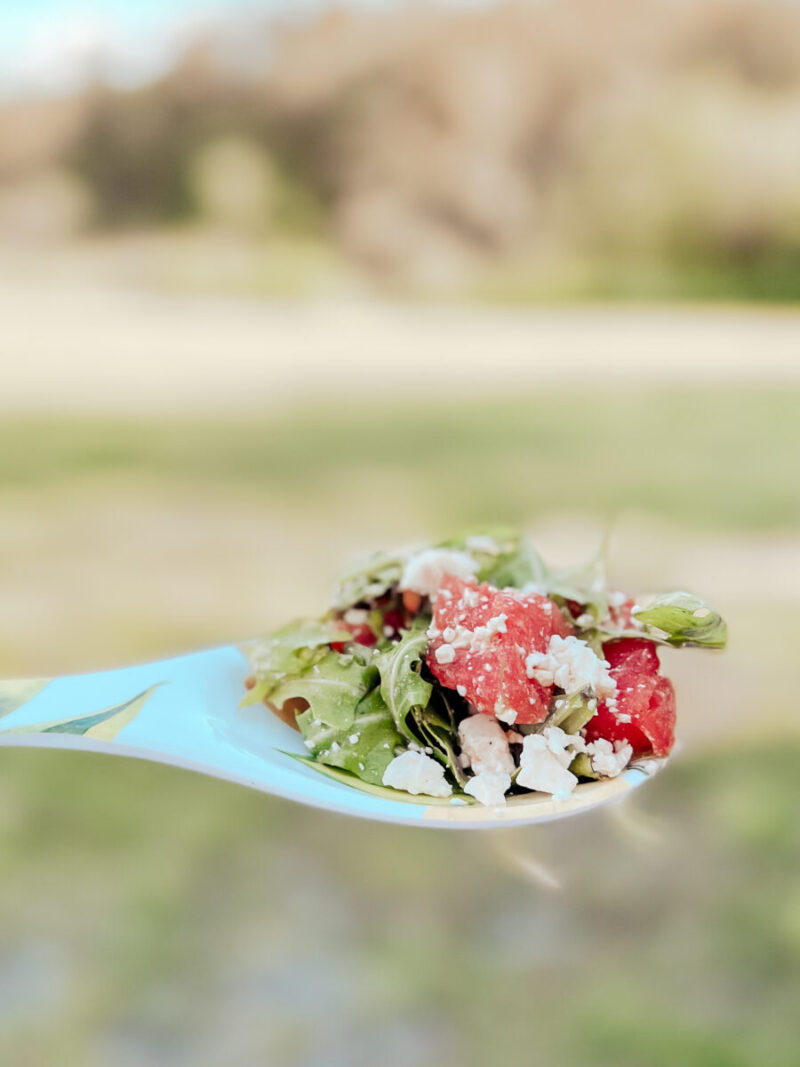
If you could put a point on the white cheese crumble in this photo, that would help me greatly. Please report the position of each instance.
(417, 773)
(541, 769)
(356, 616)
(489, 788)
(483, 742)
(609, 760)
(504, 713)
(445, 654)
(423, 573)
(572, 665)
(565, 747)
(477, 640)
(545, 759)
(470, 598)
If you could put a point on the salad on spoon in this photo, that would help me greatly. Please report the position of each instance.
(470, 672)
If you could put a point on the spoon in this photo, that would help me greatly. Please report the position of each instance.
(185, 712)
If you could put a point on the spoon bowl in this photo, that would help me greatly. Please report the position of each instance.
(185, 712)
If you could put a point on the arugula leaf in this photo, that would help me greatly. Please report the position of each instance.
(365, 748)
(586, 584)
(333, 687)
(402, 686)
(518, 567)
(572, 712)
(681, 618)
(287, 651)
(581, 766)
(512, 562)
(438, 734)
(379, 790)
(369, 580)
(504, 538)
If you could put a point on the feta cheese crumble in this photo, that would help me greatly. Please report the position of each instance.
(541, 769)
(483, 742)
(477, 640)
(417, 773)
(504, 713)
(572, 665)
(489, 788)
(423, 573)
(470, 598)
(545, 759)
(609, 760)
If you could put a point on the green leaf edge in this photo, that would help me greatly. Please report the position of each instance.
(382, 791)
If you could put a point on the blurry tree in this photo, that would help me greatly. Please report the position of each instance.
(432, 141)
(233, 184)
(49, 205)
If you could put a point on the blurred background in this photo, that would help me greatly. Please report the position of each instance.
(282, 281)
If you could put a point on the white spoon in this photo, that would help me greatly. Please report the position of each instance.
(185, 712)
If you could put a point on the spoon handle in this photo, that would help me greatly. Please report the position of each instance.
(160, 706)
(76, 706)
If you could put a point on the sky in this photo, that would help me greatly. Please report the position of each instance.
(48, 45)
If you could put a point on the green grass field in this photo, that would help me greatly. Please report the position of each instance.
(152, 916)
(710, 458)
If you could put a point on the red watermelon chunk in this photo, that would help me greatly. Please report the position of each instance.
(643, 694)
(488, 667)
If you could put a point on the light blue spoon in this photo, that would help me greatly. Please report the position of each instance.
(185, 712)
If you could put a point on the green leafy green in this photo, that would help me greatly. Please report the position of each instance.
(288, 651)
(368, 580)
(508, 560)
(681, 618)
(402, 685)
(365, 704)
(572, 711)
(512, 560)
(364, 748)
(581, 766)
(333, 687)
(519, 567)
(438, 733)
(586, 584)
(382, 791)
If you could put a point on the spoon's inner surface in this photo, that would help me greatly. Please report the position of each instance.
(185, 712)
